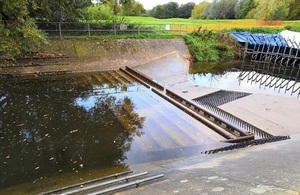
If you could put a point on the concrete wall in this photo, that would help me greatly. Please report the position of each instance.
(97, 55)
(113, 54)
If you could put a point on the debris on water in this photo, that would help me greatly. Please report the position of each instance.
(36, 168)
(74, 131)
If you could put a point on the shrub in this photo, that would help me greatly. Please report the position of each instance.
(206, 46)
(18, 37)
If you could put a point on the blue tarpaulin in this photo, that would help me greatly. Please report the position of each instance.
(259, 39)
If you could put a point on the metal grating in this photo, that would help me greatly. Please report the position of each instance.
(213, 100)
(220, 97)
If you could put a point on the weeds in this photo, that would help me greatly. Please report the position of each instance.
(205, 45)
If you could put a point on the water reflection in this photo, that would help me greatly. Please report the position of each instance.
(70, 124)
(244, 80)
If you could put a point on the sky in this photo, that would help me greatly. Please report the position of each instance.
(149, 4)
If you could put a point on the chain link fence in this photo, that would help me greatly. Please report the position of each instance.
(63, 29)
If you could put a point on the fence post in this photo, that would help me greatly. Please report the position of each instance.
(180, 32)
(139, 29)
(115, 29)
(89, 29)
(186, 29)
(60, 33)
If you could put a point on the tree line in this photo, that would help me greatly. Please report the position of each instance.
(217, 9)
(248, 9)
(106, 9)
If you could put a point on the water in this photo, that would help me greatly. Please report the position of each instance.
(63, 130)
(258, 84)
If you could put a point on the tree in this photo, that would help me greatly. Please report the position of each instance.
(132, 8)
(272, 10)
(169, 10)
(113, 4)
(172, 10)
(99, 12)
(226, 8)
(221, 9)
(199, 10)
(238, 7)
(158, 12)
(213, 10)
(246, 7)
(294, 10)
(185, 10)
(18, 33)
(58, 11)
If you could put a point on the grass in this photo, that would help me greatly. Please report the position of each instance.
(128, 36)
(192, 24)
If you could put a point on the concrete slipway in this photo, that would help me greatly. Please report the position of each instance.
(272, 168)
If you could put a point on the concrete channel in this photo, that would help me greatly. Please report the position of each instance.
(271, 168)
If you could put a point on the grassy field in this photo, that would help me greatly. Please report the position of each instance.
(191, 24)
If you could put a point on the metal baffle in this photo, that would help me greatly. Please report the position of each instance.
(274, 63)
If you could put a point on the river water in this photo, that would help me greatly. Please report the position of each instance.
(60, 130)
(230, 81)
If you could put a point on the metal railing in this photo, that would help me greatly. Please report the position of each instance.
(274, 63)
(63, 29)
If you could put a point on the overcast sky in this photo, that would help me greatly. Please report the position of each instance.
(149, 4)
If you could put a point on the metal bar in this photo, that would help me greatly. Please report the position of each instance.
(89, 29)
(124, 179)
(136, 78)
(145, 78)
(203, 120)
(240, 139)
(60, 33)
(130, 184)
(87, 182)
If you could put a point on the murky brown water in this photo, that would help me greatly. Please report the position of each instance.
(62, 130)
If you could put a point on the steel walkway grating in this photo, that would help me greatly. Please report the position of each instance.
(213, 100)
(220, 97)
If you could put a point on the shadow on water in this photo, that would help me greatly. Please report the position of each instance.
(55, 127)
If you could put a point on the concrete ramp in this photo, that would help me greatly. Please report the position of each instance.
(169, 69)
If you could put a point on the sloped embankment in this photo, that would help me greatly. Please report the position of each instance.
(95, 55)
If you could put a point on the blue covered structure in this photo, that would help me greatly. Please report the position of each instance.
(269, 48)
(259, 39)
